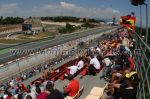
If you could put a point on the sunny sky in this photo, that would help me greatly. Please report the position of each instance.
(80, 8)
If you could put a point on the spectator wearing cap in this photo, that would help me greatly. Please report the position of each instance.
(134, 77)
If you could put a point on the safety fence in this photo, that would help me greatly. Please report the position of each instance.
(142, 61)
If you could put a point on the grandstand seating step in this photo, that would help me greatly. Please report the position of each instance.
(77, 95)
(96, 92)
(92, 97)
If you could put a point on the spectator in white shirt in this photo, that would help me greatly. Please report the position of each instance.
(107, 61)
(94, 65)
(107, 67)
(94, 61)
(80, 64)
(72, 69)
(125, 41)
(98, 50)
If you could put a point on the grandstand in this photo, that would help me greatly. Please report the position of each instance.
(124, 76)
(109, 61)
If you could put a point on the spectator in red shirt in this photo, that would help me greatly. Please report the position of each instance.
(72, 88)
(9, 96)
(41, 95)
(132, 66)
(24, 89)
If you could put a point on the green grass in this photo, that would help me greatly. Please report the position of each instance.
(4, 51)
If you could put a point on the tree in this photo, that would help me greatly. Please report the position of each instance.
(1, 19)
(11, 20)
(67, 29)
(87, 25)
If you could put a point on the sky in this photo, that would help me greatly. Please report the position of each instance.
(79, 8)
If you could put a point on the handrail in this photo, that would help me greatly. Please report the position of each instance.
(142, 62)
(147, 47)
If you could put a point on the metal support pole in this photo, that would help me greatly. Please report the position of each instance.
(140, 20)
(19, 66)
(17, 63)
(146, 23)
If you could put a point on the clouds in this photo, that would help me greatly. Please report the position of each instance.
(6, 9)
(60, 9)
(66, 5)
(64, 8)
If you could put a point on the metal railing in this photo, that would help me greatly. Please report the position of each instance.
(142, 62)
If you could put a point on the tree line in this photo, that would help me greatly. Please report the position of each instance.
(69, 19)
(67, 29)
(10, 20)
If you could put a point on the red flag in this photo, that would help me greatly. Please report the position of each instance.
(128, 21)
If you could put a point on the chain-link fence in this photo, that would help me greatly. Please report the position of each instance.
(142, 61)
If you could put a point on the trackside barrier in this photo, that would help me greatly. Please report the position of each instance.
(142, 62)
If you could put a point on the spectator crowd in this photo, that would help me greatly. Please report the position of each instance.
(114, 56)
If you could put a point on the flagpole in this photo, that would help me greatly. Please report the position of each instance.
(146, 22)
(140, 20)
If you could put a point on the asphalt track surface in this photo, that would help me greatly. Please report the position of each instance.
(47, 43)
